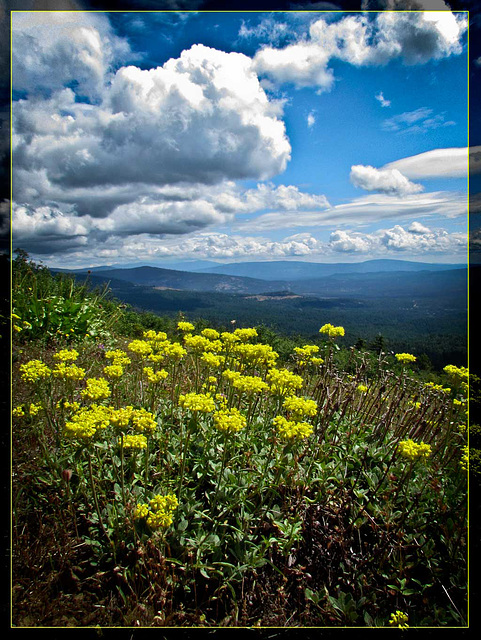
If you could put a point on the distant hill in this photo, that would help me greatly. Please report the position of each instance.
(298, 270)
(185, 281)
(364, 284)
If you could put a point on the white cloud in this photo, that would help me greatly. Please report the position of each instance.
(390, 181)
(388, 242)
(382, 100)
(417, 227)
(51, 49)
(438, 163)
(420, 120)
(414, 38)
(200, 119)
(365, 210)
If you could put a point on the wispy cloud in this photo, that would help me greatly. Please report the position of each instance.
(418, 121)
(382, 100)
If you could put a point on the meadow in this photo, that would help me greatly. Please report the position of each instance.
(181, 475)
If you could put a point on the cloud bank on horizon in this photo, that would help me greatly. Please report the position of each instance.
(149, 137)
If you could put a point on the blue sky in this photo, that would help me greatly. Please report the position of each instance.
(160, 137)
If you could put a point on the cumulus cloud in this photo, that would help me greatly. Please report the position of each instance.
(390, 181)
(200, 118)
(80, 47)
(388, 242)
(438, 163)
(413, 38)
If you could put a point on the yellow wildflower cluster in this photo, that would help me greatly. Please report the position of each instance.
(457, 373)
(118, 357)
(256, 354)
(158, 512)
(399, 619)
(211, 334)
(140, 347)
(412, 450)
(438, 387)
(405, 358)
(173, 350)
(229, 338)
(245, 334)
(34, 370)
(185, 326)
(211, 360)
(68, 371)
(96, 389)
(133, 441)
(33, 409)
(66, 355)
(361, 388)
(292, 430)
(306, 354)
(332, 331)
(300, 407)
(246, 384)
(197, 402)
(155, 376)
(120, 418)
(114, 371)
(144, 420)
(283, 382)
(154, 338)
(229, 420)
(199, 344)
(87, 421)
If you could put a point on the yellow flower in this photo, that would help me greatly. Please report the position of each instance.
(245, 334)
(249, 384)
(399, 619)
(197, 402)
(361, 388)
(134, 442)
(331, 330)
(229, 420)
(120, 418)
(457, 373)
(85, 424)
(141, 347)
(212, 334)
(292, 430)
(34, 408)
(300, 407)
(18, 412)
(114, 371)
(144, 420)
(158, 512)
(118, 357)
(69, 372)
(412, 450)
(155, 376)
(211, 360)
(283, 382)
(66, 355)
(34, 370)
(96, 389)
(404, 358)
(185, 326)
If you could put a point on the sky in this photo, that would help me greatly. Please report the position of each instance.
(160, 137)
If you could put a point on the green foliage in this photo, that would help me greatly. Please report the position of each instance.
(47, 307)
